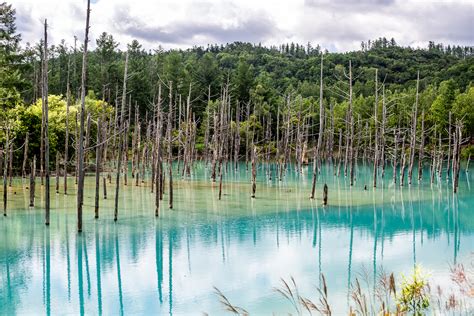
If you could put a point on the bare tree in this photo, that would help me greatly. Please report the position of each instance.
(80, 185)
(98, 152)
(170, 148)
(376, 119)
(25, 156)
(66, 137)
(413, 130)
(120, 145)
(32, 181)
(46, 122)
(317, 153)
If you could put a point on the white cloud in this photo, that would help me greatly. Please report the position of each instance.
(336, 25)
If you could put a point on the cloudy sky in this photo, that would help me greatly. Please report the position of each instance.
(337, 25)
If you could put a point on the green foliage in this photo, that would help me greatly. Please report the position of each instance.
(27, 119)
(262, 74)
(259, 78)
(11, 83)
(463, 108)
(467, 152)
(443, 103)
(414, 295)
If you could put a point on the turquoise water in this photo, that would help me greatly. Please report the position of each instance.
(169, 265)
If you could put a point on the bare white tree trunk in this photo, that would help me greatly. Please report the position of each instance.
(46, 124)
(413, 130)
(80, 184)
(316, 158)
(120, 137)
(376, 122)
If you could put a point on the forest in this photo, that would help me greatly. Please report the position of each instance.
(258, 80)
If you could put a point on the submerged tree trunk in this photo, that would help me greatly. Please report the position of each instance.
(32, 181)
(404, 162)
(57, 172)
(450, 137)
(66, 137)
(120, 146)
(395, 154)
(422, 147)
(80, 185)
(316, 158)
(158, 167)
(98, 152)
(351, 125)
(325, 194)
(413, 131)
(10, 166)
(46, 123)
(5, 175)
(376, 120)
(382, 132)
(254, 170)
(457, 156)
(25, 156)
(170, 148)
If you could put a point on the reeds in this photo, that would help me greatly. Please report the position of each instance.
(382, 296)
(228, 305)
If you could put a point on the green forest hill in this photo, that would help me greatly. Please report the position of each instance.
(260, 79)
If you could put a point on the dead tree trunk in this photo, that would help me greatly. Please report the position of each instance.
(382, 132)
(433, 160)
(395, 153)
(467, 162)
(42, 122)
(376, 120)
(136, 172)
(46, 123)
(32, 181)
(254, 170)
(77, 150)
(120, 146)
(98, 152)
(247, 138)
(66, 137)
(457, 155)
(5, 154)
(25, 156)
(325, 195)
(413, 131)
(404, 162)
(347, 145)
(10, 166)
(422, 147)
(158, 167)
(57, 172)
(450, 137)
(237, 137)
(208, 126)
(286, 148)
(331, 134)
(316, 163)
(339, 155)
(454, 160)
(439, 166)
(170, 148)
(80, 185)
(136, 132)
(127, 133)
(351, 125)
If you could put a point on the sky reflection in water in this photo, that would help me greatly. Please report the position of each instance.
(169, 265)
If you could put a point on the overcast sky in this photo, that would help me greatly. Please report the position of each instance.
(337, 25)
